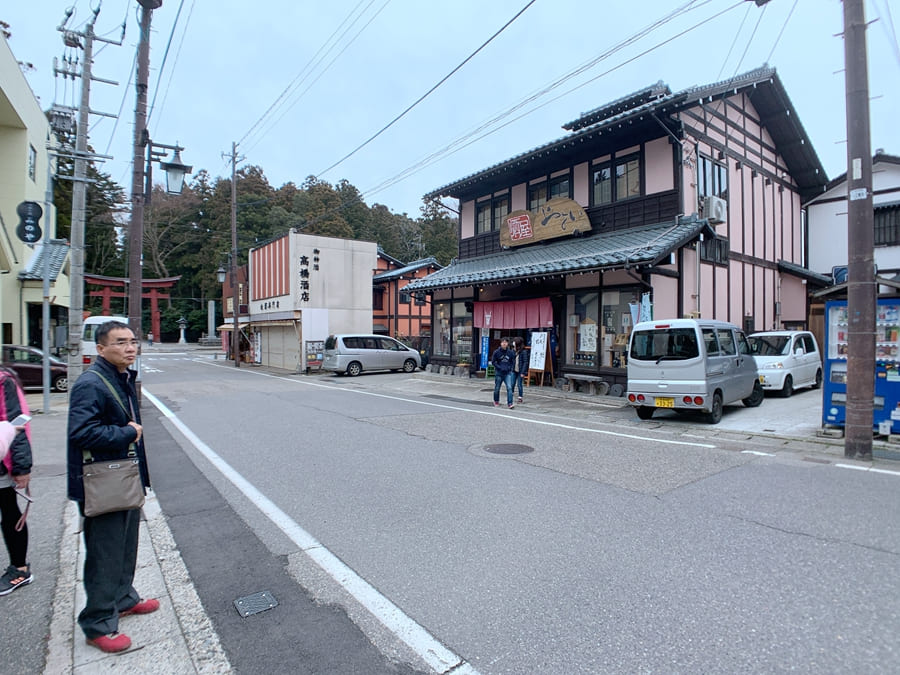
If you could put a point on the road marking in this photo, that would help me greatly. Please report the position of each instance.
(491, 413)
(871, 469)
(429, 649)
(757, 452)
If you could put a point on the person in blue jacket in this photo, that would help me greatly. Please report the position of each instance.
(503, 361)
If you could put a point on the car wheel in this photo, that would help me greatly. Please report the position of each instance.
(354, 369)
(61, 383)
(788, 387)
(409, 366)
(645, 412)
(756, 397)
(818, 382)
(714, 416)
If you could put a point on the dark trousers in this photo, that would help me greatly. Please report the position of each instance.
(16, 542)
(111, 545)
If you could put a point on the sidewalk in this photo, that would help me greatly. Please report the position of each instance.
(178, 638)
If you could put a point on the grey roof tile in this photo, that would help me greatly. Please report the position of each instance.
(56, 250)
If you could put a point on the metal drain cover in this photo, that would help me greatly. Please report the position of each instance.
(256, 603)
(508, 449)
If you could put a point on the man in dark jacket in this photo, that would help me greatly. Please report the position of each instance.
(105, 421)
(503, 360)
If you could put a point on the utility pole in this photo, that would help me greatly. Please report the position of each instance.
(79, 189)
(235, 307)
(861, 287)
(141, 140)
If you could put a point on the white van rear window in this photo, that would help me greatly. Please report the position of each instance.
(664, 343)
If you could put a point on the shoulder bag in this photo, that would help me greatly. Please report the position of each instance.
(112, 485)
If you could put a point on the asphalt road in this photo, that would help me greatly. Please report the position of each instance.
(606, 546)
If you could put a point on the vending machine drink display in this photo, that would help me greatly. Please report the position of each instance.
(886, 405)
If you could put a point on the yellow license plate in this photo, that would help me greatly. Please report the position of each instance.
(665, 402)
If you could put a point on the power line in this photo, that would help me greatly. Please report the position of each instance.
(750, 41)
(310, 65)
(734, 42)
(427, 93)
(162, 66)
(781, 32)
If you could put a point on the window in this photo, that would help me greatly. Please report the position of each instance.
(537, 196)
(454, 326)
(726, 342)
(489, 214)
(628, 179)
(616, 180)
(887, 225)
(712, 345)
(32, 161)
(404, 298)
(377, 299)
(602, 185)
(560, 187)
(712, 179)
(715, 250)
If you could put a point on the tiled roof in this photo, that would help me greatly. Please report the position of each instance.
(769, 98)
(632, 247)
(411, 267)
(56, 251)
(804, 273)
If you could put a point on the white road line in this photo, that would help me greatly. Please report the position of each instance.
(436, 655)
(757, 452)
(527, 420)
(871, 469)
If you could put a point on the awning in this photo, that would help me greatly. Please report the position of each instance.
(274, 322)
(535, 313)
(228, 326)
(632, 247)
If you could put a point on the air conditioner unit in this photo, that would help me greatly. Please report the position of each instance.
(714, 209)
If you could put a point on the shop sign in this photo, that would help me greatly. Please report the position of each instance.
(560, 217)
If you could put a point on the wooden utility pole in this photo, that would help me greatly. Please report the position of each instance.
(861, 287)
(235, 306)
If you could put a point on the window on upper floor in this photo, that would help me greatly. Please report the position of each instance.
(32, 162)
(715, 250)
(489, 214)
(404, 298)
(887, 225)
(712, 179)
(377, 299)
(616, 180)
(560, 186)
(537, 195)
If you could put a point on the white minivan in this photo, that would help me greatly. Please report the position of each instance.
(690, 365)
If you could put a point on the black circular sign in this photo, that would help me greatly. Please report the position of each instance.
(28, 229)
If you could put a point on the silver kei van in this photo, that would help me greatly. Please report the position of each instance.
(352, 354)
(690, 365)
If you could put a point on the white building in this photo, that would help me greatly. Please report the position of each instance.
(827, 220)
(24, 133)
(304, 288)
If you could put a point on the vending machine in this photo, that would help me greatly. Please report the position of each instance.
(886, 408)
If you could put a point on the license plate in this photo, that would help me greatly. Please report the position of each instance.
(762, 379)
(665, 402)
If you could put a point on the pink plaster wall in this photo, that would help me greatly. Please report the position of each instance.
(665, 297)
(658, 161)
(793, 299)
(519, 197)
(581, 184)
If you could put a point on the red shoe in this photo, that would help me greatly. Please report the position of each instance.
(142, 607)
(112, 643)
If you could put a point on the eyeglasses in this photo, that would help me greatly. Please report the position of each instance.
(123, 343)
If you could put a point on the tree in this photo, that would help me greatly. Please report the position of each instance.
(439, 232)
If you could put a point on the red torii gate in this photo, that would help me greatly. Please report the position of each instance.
(149, 289)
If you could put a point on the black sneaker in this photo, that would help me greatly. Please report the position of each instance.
(13, 578)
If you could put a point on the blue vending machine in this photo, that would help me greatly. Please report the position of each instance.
(886, 409)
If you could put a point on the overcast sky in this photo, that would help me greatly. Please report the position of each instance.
(351, 66)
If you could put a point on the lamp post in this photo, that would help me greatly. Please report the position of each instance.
(235, 307)
(182, 324)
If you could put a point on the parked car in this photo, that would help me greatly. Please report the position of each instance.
(786, 360)
(690, 365)
(28, 364)
(352, 354)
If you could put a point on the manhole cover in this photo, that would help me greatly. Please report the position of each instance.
(256, 603)
(508, 449)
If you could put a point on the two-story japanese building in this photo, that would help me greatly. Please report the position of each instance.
(660, 203)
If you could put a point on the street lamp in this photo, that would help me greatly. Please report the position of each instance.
(235, 307)
(182, 324)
